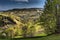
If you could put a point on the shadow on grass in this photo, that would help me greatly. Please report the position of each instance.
(25, 38)
(28, 38)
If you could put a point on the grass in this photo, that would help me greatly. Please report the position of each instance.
(51, 37)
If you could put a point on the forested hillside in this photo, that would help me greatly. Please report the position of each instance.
(18, 23)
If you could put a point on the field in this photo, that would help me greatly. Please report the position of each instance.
(50, 37)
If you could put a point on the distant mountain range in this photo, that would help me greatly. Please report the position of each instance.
(21, 9)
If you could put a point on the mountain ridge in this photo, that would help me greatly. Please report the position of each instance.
(21, 9)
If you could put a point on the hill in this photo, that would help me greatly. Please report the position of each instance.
(25, 14)
(21, 22)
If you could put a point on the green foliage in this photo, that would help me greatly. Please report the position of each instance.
(18, 29)
(10, 30)
(48, 18)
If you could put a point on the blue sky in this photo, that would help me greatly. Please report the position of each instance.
(11, 4)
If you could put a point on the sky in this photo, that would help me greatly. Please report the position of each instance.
(11, 4)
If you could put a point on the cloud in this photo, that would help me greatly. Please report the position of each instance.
(20, 0)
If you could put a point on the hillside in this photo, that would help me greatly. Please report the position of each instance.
(25, 14)
(21, 22)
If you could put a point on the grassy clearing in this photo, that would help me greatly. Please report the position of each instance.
(51, 37)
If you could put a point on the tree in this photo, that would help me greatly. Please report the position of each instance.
(48, 18)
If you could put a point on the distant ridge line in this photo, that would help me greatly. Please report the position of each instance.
(15, 9)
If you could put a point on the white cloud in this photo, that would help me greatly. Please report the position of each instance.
(20, 0)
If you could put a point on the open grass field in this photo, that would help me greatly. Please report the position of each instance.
(51, 37)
